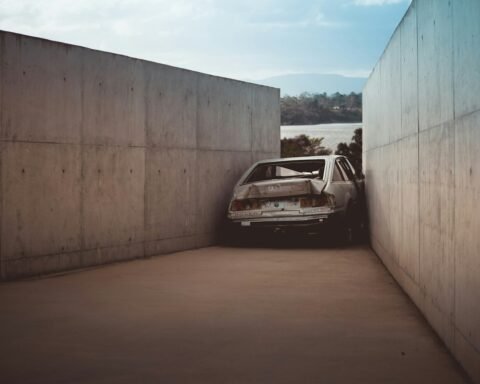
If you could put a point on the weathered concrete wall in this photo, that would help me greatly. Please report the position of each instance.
(105, 157)
(422, 153)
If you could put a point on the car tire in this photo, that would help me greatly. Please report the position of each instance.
(348, 231)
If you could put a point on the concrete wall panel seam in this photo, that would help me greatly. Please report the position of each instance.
(418, 142)
(102, 248)
(82, 158)
(453, 312)
(2, 71)
(146, 130)
(69, 143)
(405, 138)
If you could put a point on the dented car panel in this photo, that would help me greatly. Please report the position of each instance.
(295, 192)
(269, 189)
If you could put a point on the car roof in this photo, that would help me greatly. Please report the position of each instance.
(303, 158)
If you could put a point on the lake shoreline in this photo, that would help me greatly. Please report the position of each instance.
(332, 133)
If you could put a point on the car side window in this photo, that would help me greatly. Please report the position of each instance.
(348, 172)
(337, 173)
(350, 167)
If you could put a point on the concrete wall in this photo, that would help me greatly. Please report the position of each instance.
(105, 158)
(422, 154)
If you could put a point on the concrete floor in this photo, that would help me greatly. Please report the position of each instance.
(221, 315)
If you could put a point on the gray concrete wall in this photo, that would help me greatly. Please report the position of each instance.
(105, 158)
(422, 155)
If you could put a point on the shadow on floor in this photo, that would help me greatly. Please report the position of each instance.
(286, 240)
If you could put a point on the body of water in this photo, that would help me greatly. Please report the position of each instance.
(332, 133)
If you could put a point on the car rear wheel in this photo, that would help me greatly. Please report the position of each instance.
(348, 230)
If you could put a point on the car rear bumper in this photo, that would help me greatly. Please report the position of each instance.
(288, 222)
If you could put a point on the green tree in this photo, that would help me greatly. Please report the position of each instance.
(353, 151)
(320, 108)
(303, 145)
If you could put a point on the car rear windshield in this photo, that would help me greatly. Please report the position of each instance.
(311, 169)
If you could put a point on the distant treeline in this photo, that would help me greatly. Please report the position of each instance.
(303, 145)
(320, 108)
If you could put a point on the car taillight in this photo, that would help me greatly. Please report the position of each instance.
(236, 205)
(308, 202)
(322, 200)
(244, 205)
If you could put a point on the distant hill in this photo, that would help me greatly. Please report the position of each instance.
(295, 84)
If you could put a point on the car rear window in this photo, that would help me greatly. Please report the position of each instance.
(311, 169)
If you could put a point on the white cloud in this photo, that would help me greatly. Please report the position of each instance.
(350, 72)
(311, 21)
(368, 3)
(243, 39)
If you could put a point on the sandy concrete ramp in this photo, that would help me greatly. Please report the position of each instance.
(221, 315)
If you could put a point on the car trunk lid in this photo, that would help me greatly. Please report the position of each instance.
(280, 188)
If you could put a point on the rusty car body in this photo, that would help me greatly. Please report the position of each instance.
(312, 194)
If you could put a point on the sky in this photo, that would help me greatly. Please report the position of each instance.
(242, 39)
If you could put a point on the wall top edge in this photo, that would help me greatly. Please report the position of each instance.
(67, 45)
(396, 30)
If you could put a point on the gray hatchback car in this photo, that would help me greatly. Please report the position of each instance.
(313, 194)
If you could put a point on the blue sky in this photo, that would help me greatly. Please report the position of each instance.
(245, 39)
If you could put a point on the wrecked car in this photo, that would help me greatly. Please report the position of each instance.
(313, 194)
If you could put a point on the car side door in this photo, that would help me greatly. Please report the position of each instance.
(343, 183)
(338, 185)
